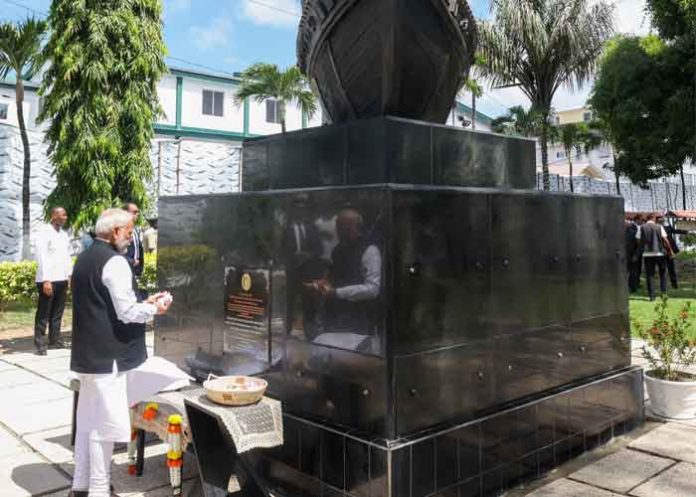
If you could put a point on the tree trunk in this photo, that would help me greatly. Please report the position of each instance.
(473, 110)
(26, 192)
(545, 155)
(616, 175)
(570, 170)
(281, 106)
(683, 183)
(282, 125)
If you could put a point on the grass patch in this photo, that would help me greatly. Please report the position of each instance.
(20, 315)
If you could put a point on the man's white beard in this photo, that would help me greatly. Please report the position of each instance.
(122, 246)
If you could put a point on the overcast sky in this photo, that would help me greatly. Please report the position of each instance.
(229, 35)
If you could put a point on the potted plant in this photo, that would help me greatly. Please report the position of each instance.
(670, 350)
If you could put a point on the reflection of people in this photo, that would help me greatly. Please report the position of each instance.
(656, 250)
(108, 351)
(354, 280)
(302, 250)
(52, 275)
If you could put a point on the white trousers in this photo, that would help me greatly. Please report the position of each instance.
(92, 465)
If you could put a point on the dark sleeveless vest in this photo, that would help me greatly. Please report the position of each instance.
(99, 338)
(346, 270)
(651, 236)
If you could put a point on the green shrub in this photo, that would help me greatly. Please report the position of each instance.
(148, 280)
(17, 282)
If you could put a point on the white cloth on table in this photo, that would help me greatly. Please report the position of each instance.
(52, 255)
(105, 399)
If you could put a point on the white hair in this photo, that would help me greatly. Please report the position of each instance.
(111, 219)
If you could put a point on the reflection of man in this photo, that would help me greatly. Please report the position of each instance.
(108, 351)
(302, 251)
(633, 256)
(354, 279)
(52, 275)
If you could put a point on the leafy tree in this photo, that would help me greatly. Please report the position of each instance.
(542, 45)
(101, 100)
(518, 122)
(20, 51)
(653, 119)
(263, 81)
(645, 94)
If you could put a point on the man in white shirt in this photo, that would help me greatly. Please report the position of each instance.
(52, 276)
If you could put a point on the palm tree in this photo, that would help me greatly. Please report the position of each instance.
(476, 90)
(20, 51)
(574, 137)
(263, 81)
(519, 122)
(542, 45)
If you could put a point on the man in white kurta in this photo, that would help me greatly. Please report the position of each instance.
(108, 353)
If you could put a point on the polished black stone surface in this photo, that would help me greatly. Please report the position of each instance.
(461, 298)
(387, 150)
(479, 458)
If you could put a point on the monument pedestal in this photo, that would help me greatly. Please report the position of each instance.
(431, 325)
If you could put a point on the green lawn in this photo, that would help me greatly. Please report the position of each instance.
(21, 315)
(642, 310)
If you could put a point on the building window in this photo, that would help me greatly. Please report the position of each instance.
(560, 155)
(587, 116)
(213, 103)
(3, 111)
(556, 120)
(273, 111)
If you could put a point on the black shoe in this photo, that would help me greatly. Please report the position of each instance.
(58, 344)
(41, 352)
(78, 493)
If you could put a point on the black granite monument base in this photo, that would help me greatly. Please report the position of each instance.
(477, 459)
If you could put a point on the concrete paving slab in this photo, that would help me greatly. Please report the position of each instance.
(622, 471)
(24, 396)
(17, 377)
(24, 358)
(10, 445)
(677, 481)
(40, 417)
(676, 441)
(28, 474)
(54, 445)
(50, 365)
(6, 366)
(155, 474)
(568, 488)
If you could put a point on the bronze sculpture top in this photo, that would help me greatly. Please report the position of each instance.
(368, 58)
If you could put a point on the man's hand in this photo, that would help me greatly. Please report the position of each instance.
(162, 300)
(326, 289)
(47, 289)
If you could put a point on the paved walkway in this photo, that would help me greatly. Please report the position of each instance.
(35, 453)
(658, 460)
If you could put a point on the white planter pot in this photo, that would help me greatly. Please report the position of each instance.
(672, 399)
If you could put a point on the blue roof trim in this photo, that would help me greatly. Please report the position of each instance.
(479, 115)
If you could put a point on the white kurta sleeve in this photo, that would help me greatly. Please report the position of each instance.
(41, 255)
(372, 272)
(117, 277)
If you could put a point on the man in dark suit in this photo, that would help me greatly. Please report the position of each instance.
(135, 255)
(671, 237)
(634, 257)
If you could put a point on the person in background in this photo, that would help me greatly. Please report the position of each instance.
(108, 352)
(52, 276)
(656, 250)
(671, 236)
(150, 237)
(633, 256)
(134, 254)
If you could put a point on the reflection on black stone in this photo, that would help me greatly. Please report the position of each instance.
(348, 311)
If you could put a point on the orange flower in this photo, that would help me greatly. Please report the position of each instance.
(150, 411)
